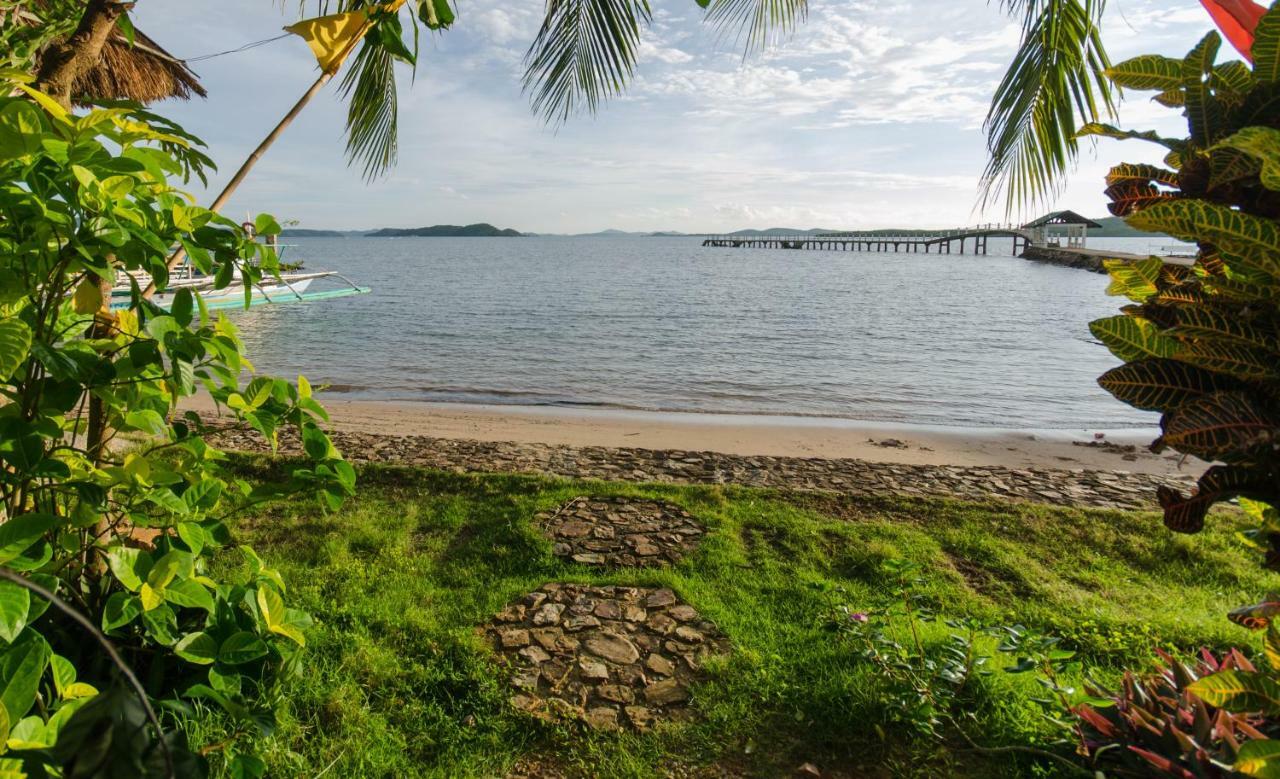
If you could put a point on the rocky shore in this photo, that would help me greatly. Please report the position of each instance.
(1080, 488)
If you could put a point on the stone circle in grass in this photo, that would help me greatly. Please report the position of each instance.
(620, 532)
(612, 657)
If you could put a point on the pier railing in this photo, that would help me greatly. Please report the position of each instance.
(955, 240)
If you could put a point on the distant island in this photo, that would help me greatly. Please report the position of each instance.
(1112, 227)
(482, 230)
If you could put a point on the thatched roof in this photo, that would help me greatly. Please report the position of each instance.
(142, 71)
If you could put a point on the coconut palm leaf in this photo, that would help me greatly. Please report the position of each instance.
(372, 110)
(756, 23)
(1056, 77)
(584, 53)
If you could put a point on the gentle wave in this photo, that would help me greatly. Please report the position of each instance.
(663, 324)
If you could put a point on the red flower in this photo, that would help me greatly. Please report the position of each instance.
(1237, 20)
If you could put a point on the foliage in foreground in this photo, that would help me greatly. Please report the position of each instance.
(400, 684)
(1201, 345)
(118, 535)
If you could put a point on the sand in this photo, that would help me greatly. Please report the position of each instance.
(757, 435)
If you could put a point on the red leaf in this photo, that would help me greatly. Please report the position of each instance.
(1237, 20)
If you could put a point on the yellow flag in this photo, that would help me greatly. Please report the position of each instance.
(333, 37)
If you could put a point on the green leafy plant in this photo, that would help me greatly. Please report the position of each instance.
(928, 688)
(1157, 724)
(1201, 345)
(114, 516)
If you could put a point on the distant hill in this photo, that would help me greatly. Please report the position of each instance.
(301, 232)
(1115, 227)
(482, 230)
(780, 231)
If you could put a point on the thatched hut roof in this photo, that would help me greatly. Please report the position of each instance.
(140, 71)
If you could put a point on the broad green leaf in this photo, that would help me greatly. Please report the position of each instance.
(1159, 385)
(15, 343)
(146, 420)
(189, 593)
(198, 648)
(1134, 280)
(21, 667)
(192, 535)
(88, 296)
(1260, 757)
(1271, 647)
(1266, 48)
(1239, 691)
(1242, 362)
(64, 673)
(29, 733)
(1131, 338)
(1225, 426)
(15, 602)
(1251, 238)
(1204, 113)
(271, 605)
(129, 565)
(21, 128)
(151, 597)
(18, 534)
(1262, 144)
(1109, 131)
(242, 647)
(1148, 71)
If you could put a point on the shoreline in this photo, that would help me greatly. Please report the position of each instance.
(754, 435)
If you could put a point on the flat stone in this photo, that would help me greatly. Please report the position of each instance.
(686, 633)
(682, 612)
(660, 665)
(513, 637)
(589, 558)
(581, 622)
(615, 648)
(660, 598)
(548, 614)
(534, 654)
(547, 638)
(574, 529)
(593, 670)
(640, 716)
(602, 718)
(665, 692)
(617, 693)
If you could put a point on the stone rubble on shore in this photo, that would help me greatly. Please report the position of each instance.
(620, 532)
(610, 657)
(1090, 489)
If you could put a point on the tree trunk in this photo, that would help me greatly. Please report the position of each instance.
(67, 60)
(97, 432)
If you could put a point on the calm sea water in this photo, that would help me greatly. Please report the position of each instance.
(665, 324)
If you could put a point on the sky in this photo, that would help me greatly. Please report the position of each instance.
(868, 116)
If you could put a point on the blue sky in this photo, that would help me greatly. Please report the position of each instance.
(868, 116)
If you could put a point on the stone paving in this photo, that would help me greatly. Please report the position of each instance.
(620, 532)
(1095, 489)
(612, 657)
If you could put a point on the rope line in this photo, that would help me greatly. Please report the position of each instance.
(245, 47)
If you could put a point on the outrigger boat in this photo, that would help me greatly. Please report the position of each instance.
(290, 287)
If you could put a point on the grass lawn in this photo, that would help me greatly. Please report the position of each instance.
(397, 683)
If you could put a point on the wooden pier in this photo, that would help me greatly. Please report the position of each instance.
(966, 240)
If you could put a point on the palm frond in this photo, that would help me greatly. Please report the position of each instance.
(757, 23)
(372, 111)
(1054, 84)
(584, 52)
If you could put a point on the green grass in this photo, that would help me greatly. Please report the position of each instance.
(398, 683)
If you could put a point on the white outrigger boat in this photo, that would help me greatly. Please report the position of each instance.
(289, 287)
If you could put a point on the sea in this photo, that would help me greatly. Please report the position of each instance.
(665, 324)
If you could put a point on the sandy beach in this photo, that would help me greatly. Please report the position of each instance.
(756, 435)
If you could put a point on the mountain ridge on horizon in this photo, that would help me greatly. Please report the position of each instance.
(1112, 227)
